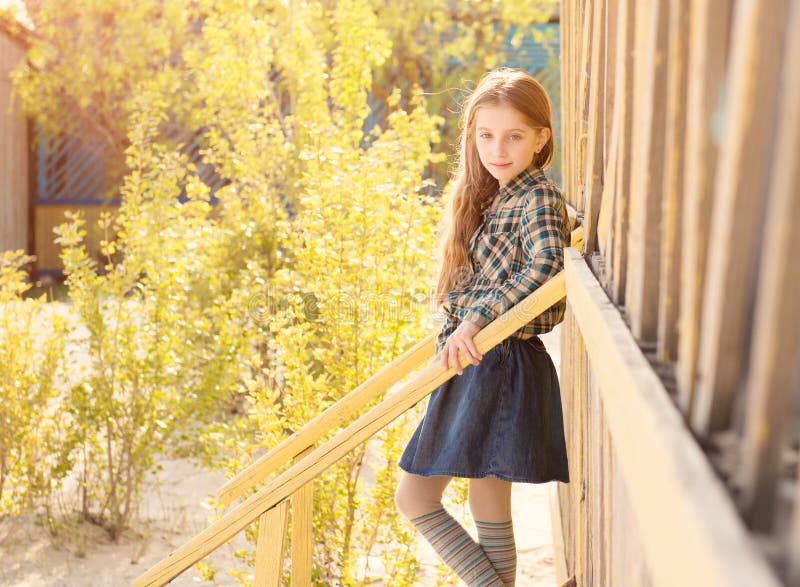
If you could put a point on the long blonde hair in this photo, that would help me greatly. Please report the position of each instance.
(472, 184)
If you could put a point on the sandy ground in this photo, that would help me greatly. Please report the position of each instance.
(175, 511)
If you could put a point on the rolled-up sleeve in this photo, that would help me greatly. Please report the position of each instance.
(542, 232)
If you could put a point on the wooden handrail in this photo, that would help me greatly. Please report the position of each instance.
(307, 468)
(284, 485)
(339, 412)
(326, 421)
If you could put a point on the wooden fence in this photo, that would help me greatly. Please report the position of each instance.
(681, 349)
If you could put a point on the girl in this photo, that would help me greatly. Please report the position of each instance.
(499, 420)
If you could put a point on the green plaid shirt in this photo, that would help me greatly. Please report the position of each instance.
(515, 249)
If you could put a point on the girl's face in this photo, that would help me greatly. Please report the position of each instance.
(506, 144)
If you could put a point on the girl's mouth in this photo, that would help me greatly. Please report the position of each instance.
(501, 165)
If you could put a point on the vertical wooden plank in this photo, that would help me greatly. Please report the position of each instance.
(709, 24)
(302, 532)
(609, 77)
(573, 82)
(793, 542)
(557, 516)
(568, 500)
(641, 296)
(566, 98)
(584, 65)
(580, 571)
(270, 546)
(581, 104)
(593, 170)
(619, 537)
(600, 485)
(608, 504)
(593, 546)
(576, 466)
(675, 129)
(564, 492)
(605, 221)
(623, 116)
(609, 146)
(738, 210)
(776, 336)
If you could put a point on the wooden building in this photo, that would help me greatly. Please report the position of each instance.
(682, 337)
(41, 179)
(14, 155)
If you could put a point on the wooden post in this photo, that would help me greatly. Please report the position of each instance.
(641, 295)
(593, 171)
(270, 546)
(302, 531)
(776, 336)
(610, 125)
(709, 23)
(623, 121)
(566, 89)
(670, 287)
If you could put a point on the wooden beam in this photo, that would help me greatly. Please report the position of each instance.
(605, 237)
(419, 386)
(559, 547)
(709, 23)
(270, 546)
(644, 234)
(609, 76)
(669, 292)
(302, 530)
(737, 221)
(566, 98)
(592, 173)
(605, 220)
(584, 68)
(684, 512)
(623, 120)
(776, 335)
(326, 421)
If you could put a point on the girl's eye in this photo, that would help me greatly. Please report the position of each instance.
(485, 135)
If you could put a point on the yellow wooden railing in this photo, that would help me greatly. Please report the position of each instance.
(270, 504)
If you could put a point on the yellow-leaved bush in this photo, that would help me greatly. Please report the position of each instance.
(31, 362)
(217, 327)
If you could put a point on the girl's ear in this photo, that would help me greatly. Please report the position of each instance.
(544, 136)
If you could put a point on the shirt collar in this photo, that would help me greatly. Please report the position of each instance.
(522, 182)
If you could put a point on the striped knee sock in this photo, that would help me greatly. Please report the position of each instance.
(497, 541)
(457, 549)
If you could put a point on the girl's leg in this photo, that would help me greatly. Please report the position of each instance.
(490, 503)
(417, 495)
(420, 500)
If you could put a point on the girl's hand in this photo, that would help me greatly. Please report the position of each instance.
(460, 340)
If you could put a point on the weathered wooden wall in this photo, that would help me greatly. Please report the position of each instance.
(681, 150)
(14, 156)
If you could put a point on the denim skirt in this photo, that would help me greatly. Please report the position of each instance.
(500, 418)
